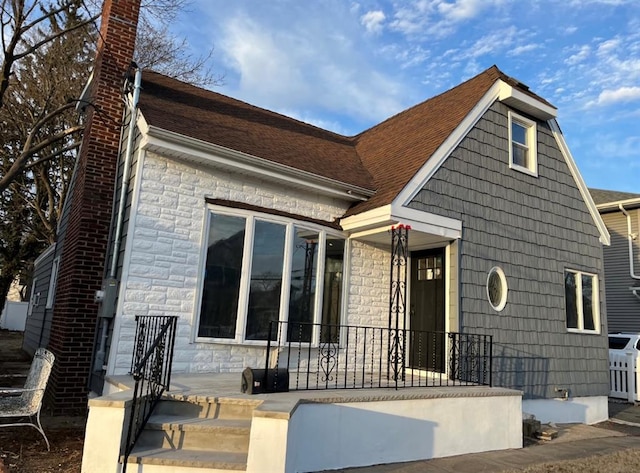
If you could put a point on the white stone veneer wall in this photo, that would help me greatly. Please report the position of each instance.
(161, 273)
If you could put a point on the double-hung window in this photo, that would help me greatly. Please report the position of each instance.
(262, 268)
(582, 301)
(523, 140)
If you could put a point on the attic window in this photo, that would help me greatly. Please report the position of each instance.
(522, 144)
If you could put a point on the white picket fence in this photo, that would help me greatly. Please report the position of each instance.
(623, 375)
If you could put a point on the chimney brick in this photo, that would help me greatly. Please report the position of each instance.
(86, 237)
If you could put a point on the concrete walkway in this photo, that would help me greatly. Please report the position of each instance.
(575, 441)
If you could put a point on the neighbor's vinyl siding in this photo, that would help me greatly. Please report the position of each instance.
(533, 228)
(623, 308)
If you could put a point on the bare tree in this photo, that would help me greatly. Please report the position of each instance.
(47, 51)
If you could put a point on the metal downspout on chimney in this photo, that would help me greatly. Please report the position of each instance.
(111, 284)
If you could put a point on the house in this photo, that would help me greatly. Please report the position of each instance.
(620, 211)
(462, 218)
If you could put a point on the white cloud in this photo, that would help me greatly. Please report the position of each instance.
(580, 56)
(438, 18)
(623, 94)
(461, 10)
(519, 50)
(608, 47)
(309, 67)
(492, 43)
(373, 21)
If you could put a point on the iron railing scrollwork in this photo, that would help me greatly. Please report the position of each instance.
(471, 358)
(151, 371)
(357, 357)
(397, 301)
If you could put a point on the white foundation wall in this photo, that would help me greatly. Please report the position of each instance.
(331, 436)
(583, 410)
(161, 268)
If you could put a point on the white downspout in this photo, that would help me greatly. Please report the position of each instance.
(630, 237)
(133, 107)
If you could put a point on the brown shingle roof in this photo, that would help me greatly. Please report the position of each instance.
(182, 108)
(602, 196)
(397, 148)
(383, 158)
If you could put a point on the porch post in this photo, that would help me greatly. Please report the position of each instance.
(397, 301)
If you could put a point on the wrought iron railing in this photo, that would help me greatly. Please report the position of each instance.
(323, 356)
(151, 371)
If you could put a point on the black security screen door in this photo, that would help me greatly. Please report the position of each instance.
(426, 342)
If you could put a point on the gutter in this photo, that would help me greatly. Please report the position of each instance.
(630, 237)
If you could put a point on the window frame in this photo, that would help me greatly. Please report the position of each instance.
(291, 224)
(504, 287)
(53, 282)
(595, 303)
(531, 134)
(34, 298)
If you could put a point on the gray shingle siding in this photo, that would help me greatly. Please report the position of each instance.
(38, 323)
(533, 228)
(623, 308)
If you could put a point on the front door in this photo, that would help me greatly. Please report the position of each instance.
(426, 317)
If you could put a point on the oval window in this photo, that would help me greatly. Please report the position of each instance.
(497, 288)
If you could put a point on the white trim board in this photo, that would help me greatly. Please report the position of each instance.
(605, 238)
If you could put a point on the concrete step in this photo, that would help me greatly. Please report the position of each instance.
(196, 433)
(159, 460)
(213, 408)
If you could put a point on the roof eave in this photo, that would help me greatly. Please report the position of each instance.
(517, 99)
(178, 146)
(614, 206)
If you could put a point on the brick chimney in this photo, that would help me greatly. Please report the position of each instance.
(85, 236)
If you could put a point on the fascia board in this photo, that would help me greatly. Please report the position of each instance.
(428, 222)
(177, 145)
(425, 173)
(521, 101)
(83, 100)
(605, 238)
(382, 218)
(374, 218)
(44, 254)
(615, 205)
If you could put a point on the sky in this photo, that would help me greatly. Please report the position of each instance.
(347, 65)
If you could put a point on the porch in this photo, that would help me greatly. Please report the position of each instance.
(299, 431)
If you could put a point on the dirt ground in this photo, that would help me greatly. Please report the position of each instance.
(22, 449)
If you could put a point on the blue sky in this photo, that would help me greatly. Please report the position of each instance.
(346, 65)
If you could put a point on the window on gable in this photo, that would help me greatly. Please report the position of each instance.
(523, 139)
(260, 269)
(582, 303)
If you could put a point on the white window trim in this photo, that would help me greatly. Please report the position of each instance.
(53, 281)
(579, 308)
(532, 144)
(243, 296)
(34, 300)
(505, 288)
